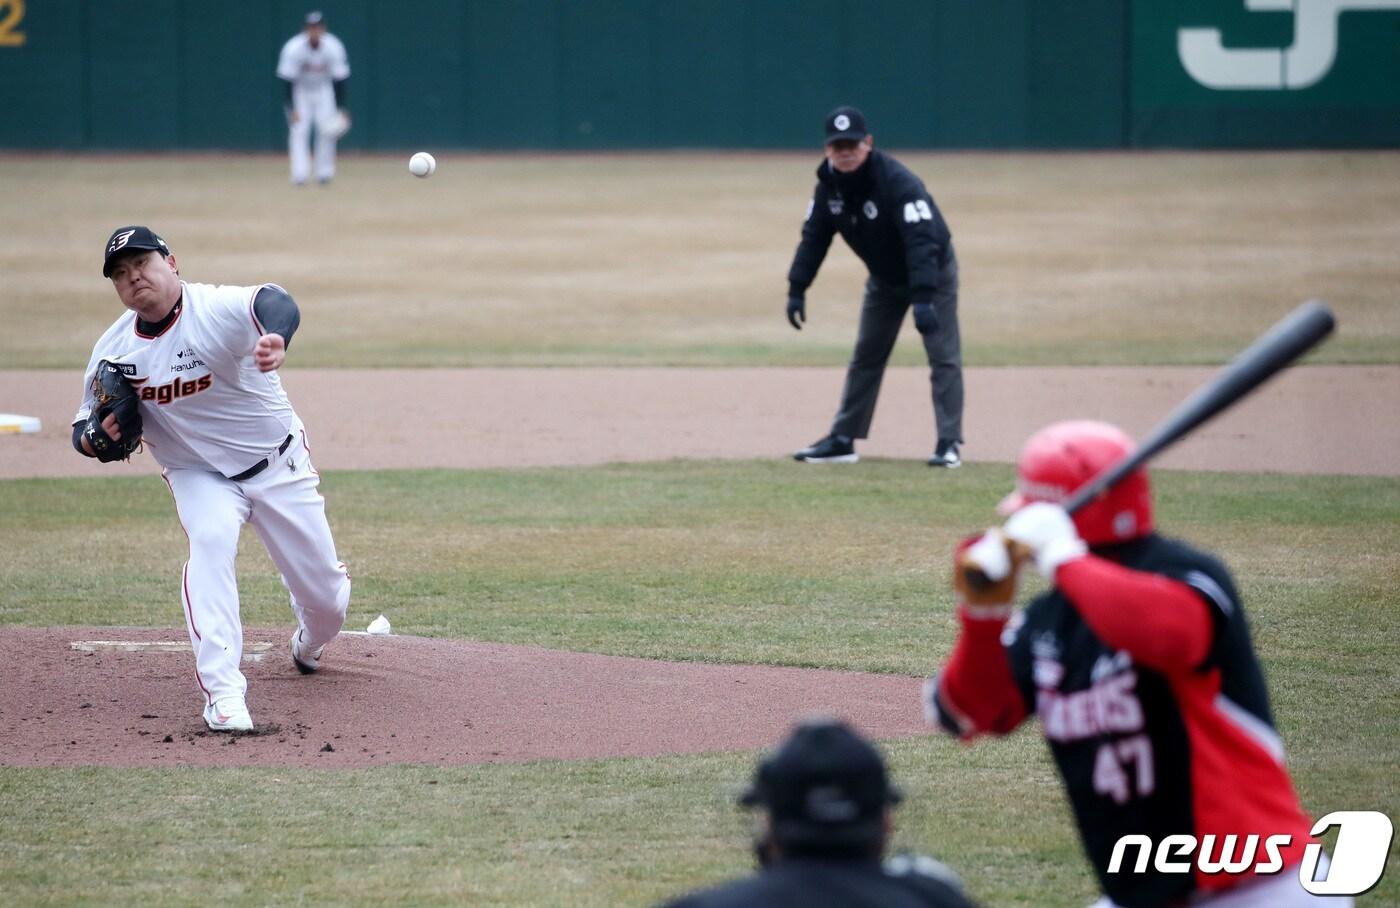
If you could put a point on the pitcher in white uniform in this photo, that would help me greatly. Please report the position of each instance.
(314, 68)
(204, 361)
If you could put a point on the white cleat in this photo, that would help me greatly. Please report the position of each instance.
(307, 660)
(946, 455)
(228, 714)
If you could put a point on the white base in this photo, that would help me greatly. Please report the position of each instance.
(252, 652)
(13, 423)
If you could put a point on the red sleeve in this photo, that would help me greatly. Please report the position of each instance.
(975, 693)
(1162, 623)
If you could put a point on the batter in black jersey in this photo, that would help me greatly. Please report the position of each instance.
(1138, 664)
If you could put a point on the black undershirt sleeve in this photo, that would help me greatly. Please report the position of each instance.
(339, 87)
(277, 312)
(286, 92)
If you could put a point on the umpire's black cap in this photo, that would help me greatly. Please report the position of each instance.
(126, 239)
(845, 123)
(825, 787)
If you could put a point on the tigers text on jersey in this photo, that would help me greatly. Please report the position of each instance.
(313, 68)
(204, 404)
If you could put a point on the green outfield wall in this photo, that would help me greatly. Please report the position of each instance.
(612, 74)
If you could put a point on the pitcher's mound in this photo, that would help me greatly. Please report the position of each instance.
(380, 700)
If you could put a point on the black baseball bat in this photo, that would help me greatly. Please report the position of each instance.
(1290, 338)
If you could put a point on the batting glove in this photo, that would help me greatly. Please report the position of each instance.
(924, 319)
(796, 311)
(984, 576)
(1047, 532)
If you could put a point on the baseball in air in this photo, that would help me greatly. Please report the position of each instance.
(422, 164)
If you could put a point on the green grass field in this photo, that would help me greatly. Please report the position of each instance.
(667, 259)
(734, 562)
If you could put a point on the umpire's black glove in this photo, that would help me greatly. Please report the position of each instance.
(796, 311)
(924, 319)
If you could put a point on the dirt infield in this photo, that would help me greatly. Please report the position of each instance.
(394, 699)
(1318, 419)
(417, 700)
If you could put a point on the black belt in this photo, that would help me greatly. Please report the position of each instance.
(261, 465)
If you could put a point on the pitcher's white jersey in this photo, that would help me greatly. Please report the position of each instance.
(312, 69)
(204, 404)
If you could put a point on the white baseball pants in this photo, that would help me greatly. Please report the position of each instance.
(289, 514)
(316, 108)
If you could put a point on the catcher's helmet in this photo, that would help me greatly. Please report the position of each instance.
(1062, 457)
(825, 788)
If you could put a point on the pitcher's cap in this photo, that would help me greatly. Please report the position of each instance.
(125, 239)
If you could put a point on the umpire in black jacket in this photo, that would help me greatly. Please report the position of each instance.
(889, 219)
(826, 801)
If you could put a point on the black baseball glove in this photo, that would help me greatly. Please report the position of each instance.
(925, 319)
(796, 310)
(113, 394)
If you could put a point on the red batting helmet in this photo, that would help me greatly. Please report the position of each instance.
(1062, 457)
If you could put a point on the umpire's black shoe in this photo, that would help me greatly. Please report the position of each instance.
(946, 455)
(832, 449)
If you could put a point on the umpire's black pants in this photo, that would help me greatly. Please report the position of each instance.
(881, 314)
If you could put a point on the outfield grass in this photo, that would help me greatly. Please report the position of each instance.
(681, 259)
(735, 562)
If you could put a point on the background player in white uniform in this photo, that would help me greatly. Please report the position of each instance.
(204, 361)
(314, 68)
